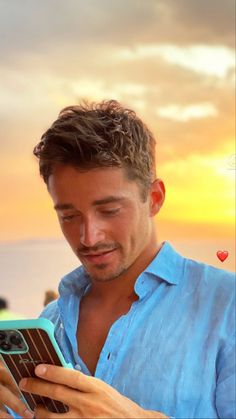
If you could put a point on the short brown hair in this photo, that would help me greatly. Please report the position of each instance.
(93, 135)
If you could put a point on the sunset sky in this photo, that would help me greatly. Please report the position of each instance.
(172, 61)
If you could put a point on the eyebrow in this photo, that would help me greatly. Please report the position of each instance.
(63, 206)
(103, 201)
(108, 200)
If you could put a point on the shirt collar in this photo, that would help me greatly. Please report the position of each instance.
(167, 265)
(74, 282)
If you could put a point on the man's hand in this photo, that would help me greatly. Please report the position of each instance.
(10, 396)
(87, 397)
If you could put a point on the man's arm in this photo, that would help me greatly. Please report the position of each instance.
(87, 397)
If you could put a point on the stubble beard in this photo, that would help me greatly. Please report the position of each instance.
(100, 274)
(106, 277)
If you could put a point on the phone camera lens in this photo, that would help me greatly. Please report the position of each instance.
(15, 340)
(5, 346)
(3, 335)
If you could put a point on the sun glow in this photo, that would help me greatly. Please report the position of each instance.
(200, 189)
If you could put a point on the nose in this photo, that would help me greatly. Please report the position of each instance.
(91, 233)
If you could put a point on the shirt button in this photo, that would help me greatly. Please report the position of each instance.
(78, 367)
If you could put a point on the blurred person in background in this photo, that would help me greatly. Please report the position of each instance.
(6, 313)
(49, 296)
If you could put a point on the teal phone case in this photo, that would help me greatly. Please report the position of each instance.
(25, 344)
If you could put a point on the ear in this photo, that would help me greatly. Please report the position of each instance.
(157, 196)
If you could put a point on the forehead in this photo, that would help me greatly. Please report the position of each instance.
(68, 183)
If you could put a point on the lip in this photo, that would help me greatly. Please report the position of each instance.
(100, 258)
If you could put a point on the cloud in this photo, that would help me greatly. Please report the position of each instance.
(40, 26)
(209, 60)
(33, 97)
(212, 21)
(57, 52)
(186, 113)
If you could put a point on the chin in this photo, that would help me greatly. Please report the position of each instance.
(106, 276)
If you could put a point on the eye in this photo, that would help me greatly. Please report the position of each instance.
(110, 212)
(67, 218)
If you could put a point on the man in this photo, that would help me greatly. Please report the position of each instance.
(149, 333)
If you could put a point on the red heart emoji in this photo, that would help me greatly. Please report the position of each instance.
(222, 255)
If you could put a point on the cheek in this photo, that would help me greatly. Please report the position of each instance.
(128, 230)
(122, 228)
(70, 232)
(140, 228)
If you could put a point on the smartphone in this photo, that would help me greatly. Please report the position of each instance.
(23, 345)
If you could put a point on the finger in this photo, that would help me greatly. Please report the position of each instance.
(6, 377)
(5, 415)
(13, 402)
(53, 391)
(7, 380)
(42, 413)
(68, 377)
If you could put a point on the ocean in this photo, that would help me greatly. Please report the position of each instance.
(29, 268)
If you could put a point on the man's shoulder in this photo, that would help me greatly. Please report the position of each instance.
(210, 275)
(209, 270)
(73, 281)
(69, 285)
(211, 291)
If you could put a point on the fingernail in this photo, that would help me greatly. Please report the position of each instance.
(40, 370)
(27, 414)
(23, 382)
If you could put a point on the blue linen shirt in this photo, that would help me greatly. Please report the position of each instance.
(174, 351)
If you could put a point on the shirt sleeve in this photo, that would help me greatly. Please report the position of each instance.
(13, 414)
(225, 389)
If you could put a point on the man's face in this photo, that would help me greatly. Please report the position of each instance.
(102, 218)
